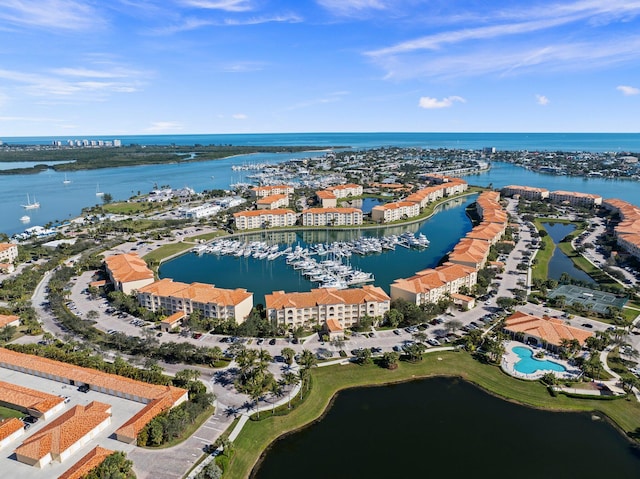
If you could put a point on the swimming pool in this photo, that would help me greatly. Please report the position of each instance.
(528, 364)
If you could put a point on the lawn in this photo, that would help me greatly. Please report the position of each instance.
(256, 436)
(541, 269)
(125, 208)
(165, 251)
(6, 413)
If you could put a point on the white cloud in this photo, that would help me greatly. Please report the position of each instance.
(542, 100)
(226, 5)
(70, 15)
(242, 67)
(164, 126)
(239, 116)
(628, 90)
(351, 7)
(471, 49)
(287, 18)
(430, 103)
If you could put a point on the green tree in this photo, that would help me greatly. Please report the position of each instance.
(389, 360)
(288, 355)
(363, 356)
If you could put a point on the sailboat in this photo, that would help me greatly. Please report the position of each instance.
(66, 181)
(98, 192)
(30, 205)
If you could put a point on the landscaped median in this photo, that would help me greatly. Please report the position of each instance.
(257, 435)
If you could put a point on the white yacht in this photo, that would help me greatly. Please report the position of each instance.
(31, 205)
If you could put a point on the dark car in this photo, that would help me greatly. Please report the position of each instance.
(30, 419)
(587, 325)
(272, 341)
(84, 388)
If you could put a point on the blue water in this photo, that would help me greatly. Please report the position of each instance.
(475, 141)
(528, 364)
(60, 202)
(262, 276)
(560, 262)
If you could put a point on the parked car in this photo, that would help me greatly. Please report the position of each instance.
(30, 419)
(272, 341)
(83, 388)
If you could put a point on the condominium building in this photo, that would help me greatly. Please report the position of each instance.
(470, 252)
(316, 307)
(8, 252)
(262, 191)
(202, 211)
(172, 297)
(327, 199)
(431, 285)
(575, 198)
(526, 192)
(128, 272)
(628, 230)
(248, 220)
(394, 211)
(344, 191)
(331, 217)
(489, 232)
(273, 202)
(547, 332)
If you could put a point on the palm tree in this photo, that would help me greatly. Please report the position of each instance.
(276, 388)
(290, 379)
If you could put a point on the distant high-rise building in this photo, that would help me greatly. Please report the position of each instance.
(117, 143)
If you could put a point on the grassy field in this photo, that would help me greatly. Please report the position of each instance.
(125, 208)
(541, 269)
(166, 251)
(6, 413)
(256, 436)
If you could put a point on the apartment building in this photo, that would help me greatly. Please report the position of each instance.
(327, 199)
(628, 230)
(431, 285)
(128, 272)
(575, 198)
(318, 306)
(8, 252)
(173, 297)
(248, 220)
(526, 192)
(344, 191)
(273, 202)
(331, 217)
(395, 211)
(262, 191)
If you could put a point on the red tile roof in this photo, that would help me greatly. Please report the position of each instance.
(27, 398)
(6, 319)
(9, 426)
(90, 461)
(128, 267)
(63, 432)
(551, 330)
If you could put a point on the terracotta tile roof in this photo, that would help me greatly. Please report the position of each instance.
(128, 267)
(138, 421)
(551, 330)
(80, 375)
(333, 326)
(9, 426)
(90, 461)
(280, 211)
(395, 205)
(526, 188)
(430, 279)
(268, 189)
(197, 292)
(6, 246)
(319, 211)
(27, 398)
(325, 195)
(174, 318)
(575, 194)
(325, 296)
(63, 432)
(344, 187)
(267, 200)
(6, 319)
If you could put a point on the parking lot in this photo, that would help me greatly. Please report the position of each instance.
(121, 409)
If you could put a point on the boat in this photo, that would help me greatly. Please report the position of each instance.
(98, 192)
(66, 181)
(30, 205)
(25, 219)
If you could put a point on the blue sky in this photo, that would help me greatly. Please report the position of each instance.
(116, 67)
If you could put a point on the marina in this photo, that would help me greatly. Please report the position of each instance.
(327, 264)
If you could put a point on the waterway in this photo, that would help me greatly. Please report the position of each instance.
(560, 262)
(445, 427)
(261, 277)
(61, 202)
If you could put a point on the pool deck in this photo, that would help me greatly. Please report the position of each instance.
(509, 359)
